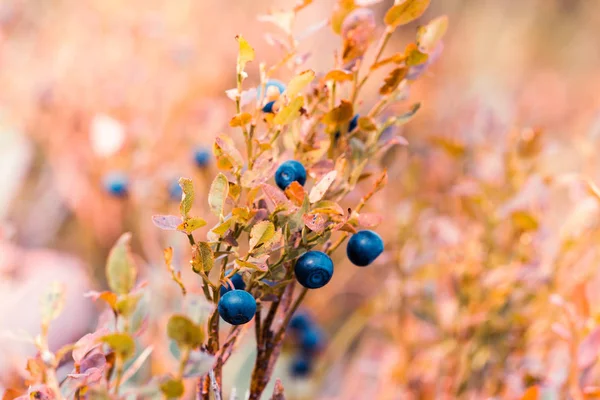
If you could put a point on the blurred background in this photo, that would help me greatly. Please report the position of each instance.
(489, 284)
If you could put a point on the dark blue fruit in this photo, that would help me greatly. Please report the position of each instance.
(202, 156)
(364, 247)
(268, 108)
(238, 283)
(175, 191)
(312, 340)
(351, 126)
(301, 366)
(116, 183)
(301, 321)
(289, 172)
(237, 307)
(314, 269)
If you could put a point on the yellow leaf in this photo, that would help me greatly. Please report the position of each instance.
(290, 112)
(405, 12)
(187, 199)
(341, 10)
(121, 343)
(392, 81)
(219, 190)
(396, 58)
(202, 258)
(172, 388)
(226, 147)
(190, 225)
(261, 233)
(184, 332)
(247, 264)
(318, 191)
(338, 75)
(414, 56)
(220, 229)
(367, 124)
(245, 54)
(127, 304)
(121, 270)
(240, 120)
(299, 83)
(339, 114)
(430, 35)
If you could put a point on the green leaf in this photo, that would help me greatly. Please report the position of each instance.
(299, 83)
(184, 332)
(261, 233)
(121, 270)
(290, 112)
(405, 12)
(127, 304)
(219, 189)
(121, 343)
(202, 258)
(172, 388)
(53, 302)
(188, 196)
(190, 225)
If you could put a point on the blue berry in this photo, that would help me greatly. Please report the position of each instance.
(268, 108)
(312, 340)
(301, 366)
(116, 183)
(364, 247)
(351, 126)
(175, 191)
(202, 156)
(271, 83)
(301, 321)
(238, 283)
(289, 172)
(237, 307)
(314, 269)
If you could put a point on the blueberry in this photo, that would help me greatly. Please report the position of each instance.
(301, 366)
(238, 283)
(116, 183)
(268, 108)
(289, 172)
(364, 247)
(237, 307)
(175, 191)
(202, 156)
(314, 269)
(301, 321)
(312, 340)
(280, 86)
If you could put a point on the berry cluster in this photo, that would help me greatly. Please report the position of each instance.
(310, 340)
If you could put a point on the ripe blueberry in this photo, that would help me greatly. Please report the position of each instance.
(301, 321)
(301, 366)
(175, 191)
(364, 247)
(116, 183)
(202, 156)
(289, 172)
(237, 307)
(314, 269)
(238, 283)
(312, 340)
(268, 108)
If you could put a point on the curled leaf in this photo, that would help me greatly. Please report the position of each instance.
(202, 258)
(299, 83)
(219, 190)
(430, 35)
(318, 191)
(121, 270)
(392, 81)
(187, 198)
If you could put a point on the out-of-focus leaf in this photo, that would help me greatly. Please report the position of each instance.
(428, 36)
(219, 190)
(299, 83)
(261, 233)
(407, 116)
(290, 112)
(53, 302)
(414, 56)
(227, 147)
(127, 304)
(172, 388)
(121, 270)
(358, 30)
(340, 11)
(318, 191)
(338, 75)
(589, 349)
(524, 221)
(339, 114)
(121, 343)
(367, 124)
(404, 12)
(190, 225)
(396, 58)
(166, 222)
(184, 332)
(356, 172)
(202, 258)
(532, 393)
(245, 53)
(240, 120)
(198, 365)
(452, 147)
(392, 81)
(282, 19)
(187, 198)
(369, 220)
